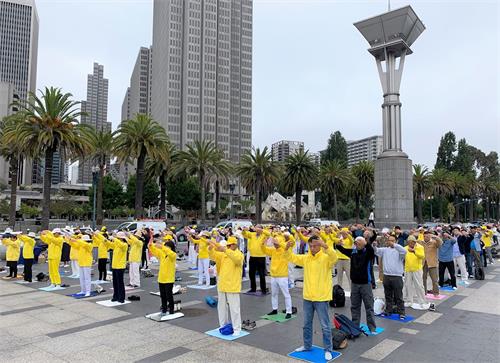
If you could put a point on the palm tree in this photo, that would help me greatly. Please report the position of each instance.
(221, 171)
(50, 125)
(363, 182)
(442, 185)
(12, 150)
(162, 169)
(300, 173)
(334, 178)
(258, 173)
(139, 138)
(101, 143)
(199, 159)
(421, 184)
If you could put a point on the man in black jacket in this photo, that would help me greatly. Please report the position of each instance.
(361, 289)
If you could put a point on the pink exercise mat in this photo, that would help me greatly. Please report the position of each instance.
(432, 297)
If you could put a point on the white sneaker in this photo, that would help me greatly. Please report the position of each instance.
(408, 304)
(58, 285)
(51, 286)
(302, 349)
(87, 294)
(236, 333)
(328, 356)
(466, 282)
(454, 288)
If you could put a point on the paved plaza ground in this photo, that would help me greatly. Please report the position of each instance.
(38, 326)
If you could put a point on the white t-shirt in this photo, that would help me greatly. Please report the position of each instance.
(371, 217)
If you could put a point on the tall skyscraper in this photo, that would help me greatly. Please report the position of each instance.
(96, 109)
(284, 148)
(202, 72)
(19, 53)
(8, 95)
(364, 150)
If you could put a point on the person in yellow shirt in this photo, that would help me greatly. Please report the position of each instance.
(257, 262)
(83, 244)
(135, 258)
(99, 240)
(203, 260)
(279, 274)
(317, 292)
(165, 253)
(229, 261)
(119, 246)
(344, 262)
(413, 292)
(13, 253)
(488, 241)
(73, 256)
(55, 241)
(28, 255)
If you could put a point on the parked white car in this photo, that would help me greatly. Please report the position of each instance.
(322, 222)
(132, 226)
(234, 224)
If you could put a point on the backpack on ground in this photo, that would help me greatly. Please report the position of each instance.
(338, 297)
(479, 273)
(347, 326)
(339, 339)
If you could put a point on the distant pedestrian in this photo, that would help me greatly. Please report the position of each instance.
(371, 219)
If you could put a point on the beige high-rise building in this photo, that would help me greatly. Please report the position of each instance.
(201, 84)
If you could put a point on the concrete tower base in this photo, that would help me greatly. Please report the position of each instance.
(394, 191)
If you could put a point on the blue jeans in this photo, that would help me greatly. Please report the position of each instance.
(321, 307)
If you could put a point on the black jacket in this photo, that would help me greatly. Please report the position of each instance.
(360, 263)
(463, 246)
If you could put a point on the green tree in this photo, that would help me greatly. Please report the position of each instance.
(221, 170)
(139, 138)
(199, 159)
(334, 179)
(464, 161)
(151, 193)
(28, 210)
(12, 149)
(442, 185)
(300, 173)
(50, 124)
(112, 195)
(446, 152)
(336, 149)
(4, 207)
(101, 148)
(363, 183)
(421, 184)
(161, 169)
(184, 193)
(259, 174)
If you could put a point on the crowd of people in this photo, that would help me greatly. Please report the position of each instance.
(406, 261)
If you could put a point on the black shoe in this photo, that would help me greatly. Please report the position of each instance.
(374, 286)
(274, 312)
(113, 300)
(251, 291)
(432, 307)
(288, 316)
(402, 316)
(264, 292)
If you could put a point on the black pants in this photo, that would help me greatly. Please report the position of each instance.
(393, 291)
(101, 266)
(372, 275)
(118, 285)
(371, 222)
(451, 269)
(12, 268)
(28, 269)
(257, 264)
(485, 261)
(144, 260)
(167, 298)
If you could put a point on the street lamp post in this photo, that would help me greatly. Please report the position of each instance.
(95, 175)
(231, 190)
(431, 199)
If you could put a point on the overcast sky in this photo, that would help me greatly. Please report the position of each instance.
(312, 74)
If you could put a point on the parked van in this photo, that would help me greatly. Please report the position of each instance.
(234, 224)
(321, 223)
(132, 226)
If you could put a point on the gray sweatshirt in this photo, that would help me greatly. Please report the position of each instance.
(393, 259)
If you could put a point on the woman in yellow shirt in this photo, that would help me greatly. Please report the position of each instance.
(203, 260)
(119, 246)
(13, 252)
(28, 254)
(165, 253)
(84, 246)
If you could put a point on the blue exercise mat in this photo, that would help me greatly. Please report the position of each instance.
(446, 288)
(215, 333)
(395, 317)
(377, 331)
(82, 296)
(315, 355)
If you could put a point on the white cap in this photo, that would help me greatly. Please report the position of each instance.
(32, 234)
(8, 230)
(121, 235)
(283, 229)
(86, 237)
(385, 230)
(359, 238)
(56, 230)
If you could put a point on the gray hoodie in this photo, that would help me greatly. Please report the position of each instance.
(393, 259)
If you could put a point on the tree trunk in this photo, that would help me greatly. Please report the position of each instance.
(258, 212)
(163, 196)
(441, 215)
(357, 207)
(488, 205)
(47, 183)
(420, 214)
(335, 207)
(203, 198)
(471, 210)
(217, 200)
(298, 205)
(457, 209)
(100, 187)
(13, 170)
(139, 184)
